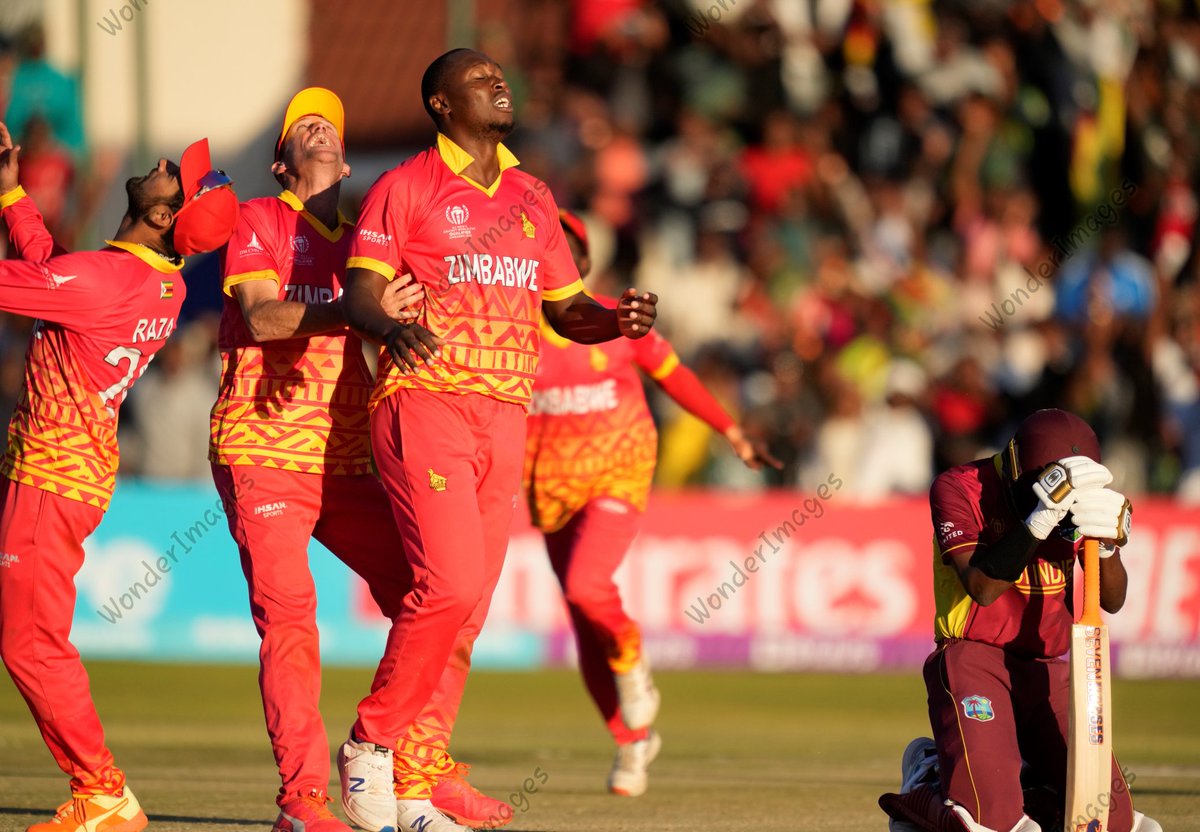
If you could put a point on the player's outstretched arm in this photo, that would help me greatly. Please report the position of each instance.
(682, 385)
(583, 320)
(362, 303)
(31, 240)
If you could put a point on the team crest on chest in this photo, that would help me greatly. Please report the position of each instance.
(528, 227)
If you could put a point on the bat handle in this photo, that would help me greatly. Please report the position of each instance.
(1091, 583)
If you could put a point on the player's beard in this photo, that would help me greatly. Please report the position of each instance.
(497, 131)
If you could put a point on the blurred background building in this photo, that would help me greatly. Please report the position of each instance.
(882, 230)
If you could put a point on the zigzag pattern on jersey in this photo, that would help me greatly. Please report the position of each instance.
(492, 343)
(421, 755)
(301, 408)
(572, 460)
(61, 439)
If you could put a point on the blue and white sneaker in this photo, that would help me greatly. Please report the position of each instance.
(367, 796)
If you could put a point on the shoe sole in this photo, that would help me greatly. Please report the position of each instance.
(655, 747)
(475, 823)
(135, 824)
(361, 824)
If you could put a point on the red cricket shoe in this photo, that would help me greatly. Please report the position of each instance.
(307, 813)
(465, 804)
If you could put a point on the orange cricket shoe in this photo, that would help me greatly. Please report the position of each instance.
(307, 813)
(96, 813)
(455, 797)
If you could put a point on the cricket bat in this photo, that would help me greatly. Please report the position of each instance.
(1089, 724)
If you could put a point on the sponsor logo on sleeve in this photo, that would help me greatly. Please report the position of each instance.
(377, 238)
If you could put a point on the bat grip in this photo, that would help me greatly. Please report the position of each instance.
(1091, 583)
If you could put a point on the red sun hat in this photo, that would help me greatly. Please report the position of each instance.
(210, 206)
(574, 224)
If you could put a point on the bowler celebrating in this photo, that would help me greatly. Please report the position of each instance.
(448, 418)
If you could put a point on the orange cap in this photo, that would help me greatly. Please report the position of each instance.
(314, 101)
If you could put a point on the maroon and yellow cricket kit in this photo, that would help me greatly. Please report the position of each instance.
(102, 317)
(998, 690)
(292, 460)
(448, 440)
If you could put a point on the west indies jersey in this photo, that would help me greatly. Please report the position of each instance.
(487, 257)
(1033, 617)
(590, 433)
(102, 315)
(298, 404)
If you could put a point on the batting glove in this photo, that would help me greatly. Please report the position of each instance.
(1057, 488)
(1103, 514)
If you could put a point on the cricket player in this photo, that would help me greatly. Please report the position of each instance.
(1005, 540)
(291, 453)
(448, 410)
(102, 315)
(589, 461)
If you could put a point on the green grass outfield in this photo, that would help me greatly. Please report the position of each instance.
(742, 751)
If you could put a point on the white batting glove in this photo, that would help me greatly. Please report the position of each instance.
(1105, 515)
(1057, 488)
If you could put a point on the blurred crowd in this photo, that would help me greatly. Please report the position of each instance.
(882, 231)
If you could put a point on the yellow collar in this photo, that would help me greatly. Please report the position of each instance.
(333, 235)
(459, 160)
(152, 258)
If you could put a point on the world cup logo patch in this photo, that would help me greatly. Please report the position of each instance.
(457, 214)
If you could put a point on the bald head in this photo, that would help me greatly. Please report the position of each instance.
(438, 73)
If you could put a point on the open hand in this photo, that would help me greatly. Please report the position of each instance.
(752, 452)
(403, 299)
(8, 161)
(411, 344)
(636, 312)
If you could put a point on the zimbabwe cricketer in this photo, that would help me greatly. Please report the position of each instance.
(448, 417)
(293, 407)
(589, 460)
(102, 315)
(1006, 531)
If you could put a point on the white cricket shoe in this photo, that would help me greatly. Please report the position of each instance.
(628, 776)
(638, 697)
(421, 816)
(366, 773)
(1141, 823)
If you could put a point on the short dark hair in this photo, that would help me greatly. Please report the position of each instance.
(434, 78)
